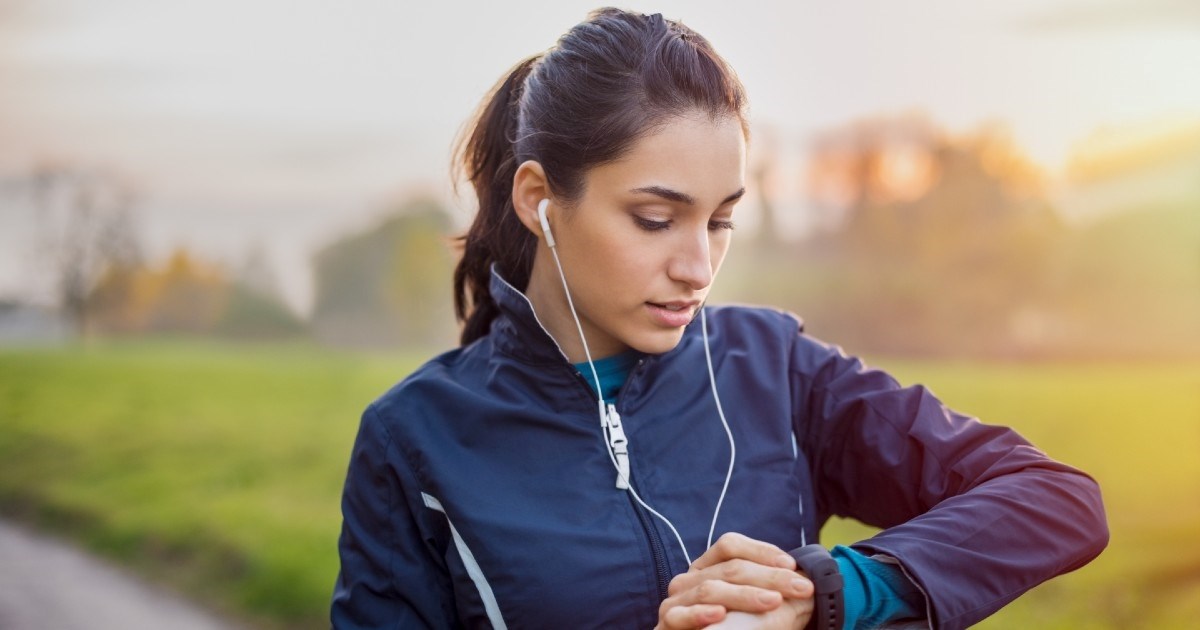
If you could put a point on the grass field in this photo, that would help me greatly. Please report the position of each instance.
(218, 468)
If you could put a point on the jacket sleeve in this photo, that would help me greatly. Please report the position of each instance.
(389, 578)
(973, 513)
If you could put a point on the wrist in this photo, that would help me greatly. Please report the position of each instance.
(854, 594)
(828, 603)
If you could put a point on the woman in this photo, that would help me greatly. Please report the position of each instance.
(605, 450)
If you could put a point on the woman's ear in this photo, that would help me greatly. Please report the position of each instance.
(529, 188)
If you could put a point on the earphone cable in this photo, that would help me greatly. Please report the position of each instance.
(642, 503)
(712, 380)
(579, 327)
(604, 425)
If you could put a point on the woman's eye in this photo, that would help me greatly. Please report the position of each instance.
(650, 225)
(720, 225)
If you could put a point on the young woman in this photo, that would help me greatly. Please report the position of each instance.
(606, 450)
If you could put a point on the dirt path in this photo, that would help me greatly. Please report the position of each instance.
(46, 584)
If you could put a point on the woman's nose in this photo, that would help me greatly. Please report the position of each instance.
(691, 262)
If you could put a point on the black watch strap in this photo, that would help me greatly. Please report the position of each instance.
(820, 567)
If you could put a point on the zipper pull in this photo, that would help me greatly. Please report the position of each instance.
(620, 446)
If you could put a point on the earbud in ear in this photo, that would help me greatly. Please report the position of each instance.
(542, 205)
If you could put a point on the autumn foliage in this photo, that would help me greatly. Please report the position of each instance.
(185, 295)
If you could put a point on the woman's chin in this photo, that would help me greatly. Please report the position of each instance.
(657, 342)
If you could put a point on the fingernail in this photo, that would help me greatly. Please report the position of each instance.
(801, 586)
(784, 561)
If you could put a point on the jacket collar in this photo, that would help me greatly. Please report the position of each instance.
(517, 330)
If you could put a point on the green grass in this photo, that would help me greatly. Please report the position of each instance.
(218, 468)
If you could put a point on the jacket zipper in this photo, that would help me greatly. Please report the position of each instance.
(657, 551)
(656, 548)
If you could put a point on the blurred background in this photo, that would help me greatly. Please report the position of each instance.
(224, 230)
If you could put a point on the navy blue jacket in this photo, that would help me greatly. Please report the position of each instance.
(480, 492)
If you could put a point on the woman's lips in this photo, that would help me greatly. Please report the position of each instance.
(672, 314)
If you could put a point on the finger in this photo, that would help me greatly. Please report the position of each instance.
(697, 616)
(745, 572)
(803, 609)
(737, 620)
(734, 545)
(730, 596)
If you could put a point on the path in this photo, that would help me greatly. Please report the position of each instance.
(48, 585)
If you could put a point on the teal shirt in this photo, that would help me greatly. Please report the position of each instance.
(612, 371)
(874, 592)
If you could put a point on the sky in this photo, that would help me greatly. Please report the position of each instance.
(279, 125)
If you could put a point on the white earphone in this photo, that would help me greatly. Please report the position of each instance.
(542, 205)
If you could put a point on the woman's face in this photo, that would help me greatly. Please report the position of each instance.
(641, 248)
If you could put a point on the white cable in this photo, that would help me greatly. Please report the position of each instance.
(712, 380)
(579, 327)
(604, 425)
(642, 503)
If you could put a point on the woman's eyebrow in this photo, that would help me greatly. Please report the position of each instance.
(684, 198)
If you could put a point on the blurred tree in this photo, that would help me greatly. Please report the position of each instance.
(185, 296)
(931, 244)
(764, 175)
(1129, 275)
(877, 160)
(119, 302)
(190, 295)
(390, 285)
(1129, 283)
(251, 314)
(86, 224)
(255, 308)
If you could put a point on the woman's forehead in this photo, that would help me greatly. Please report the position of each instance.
(699, 158)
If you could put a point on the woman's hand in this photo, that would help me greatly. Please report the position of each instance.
(738, 573)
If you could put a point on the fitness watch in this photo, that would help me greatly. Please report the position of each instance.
(820, 567)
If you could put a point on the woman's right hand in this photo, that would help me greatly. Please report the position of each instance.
(737, 573)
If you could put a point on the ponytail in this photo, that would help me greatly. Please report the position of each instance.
(496, 235)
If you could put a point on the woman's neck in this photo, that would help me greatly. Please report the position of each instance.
(545, 293)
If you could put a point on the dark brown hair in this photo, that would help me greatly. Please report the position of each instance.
(612, 79)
